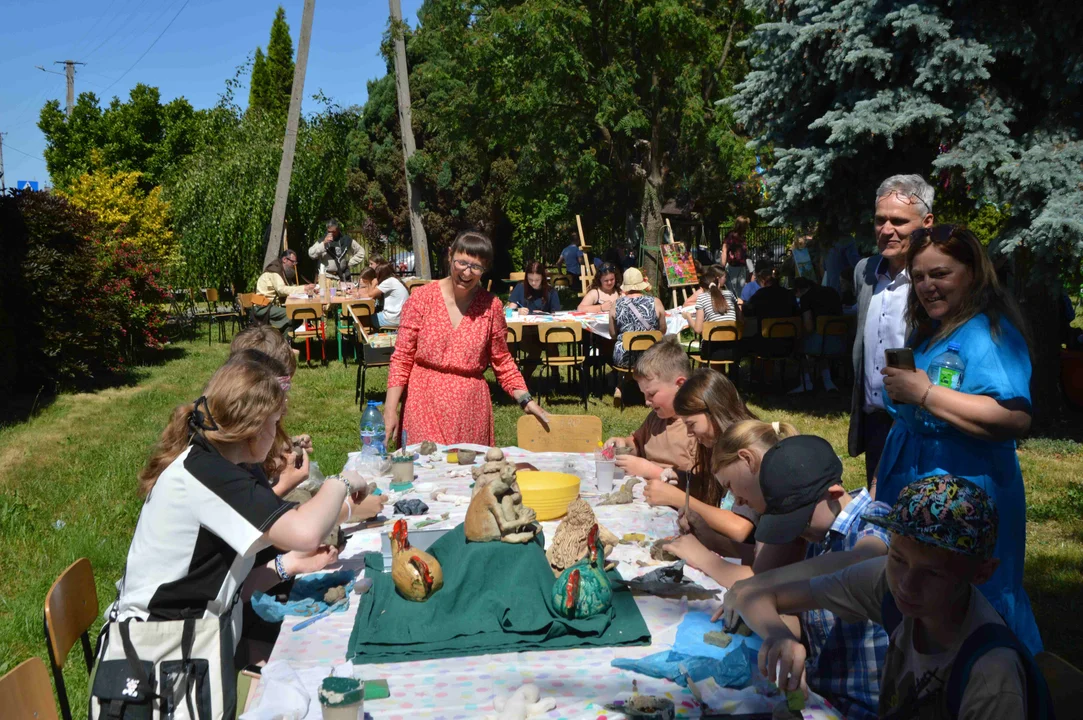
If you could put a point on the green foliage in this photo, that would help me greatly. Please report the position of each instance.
(272, 76)
(140, 135)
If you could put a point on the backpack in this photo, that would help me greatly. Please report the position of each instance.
(989, 636)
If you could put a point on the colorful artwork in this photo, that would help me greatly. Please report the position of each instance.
(680, 270)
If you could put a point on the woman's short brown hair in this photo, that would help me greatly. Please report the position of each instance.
(472, 243)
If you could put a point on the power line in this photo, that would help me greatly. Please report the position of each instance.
(114, 33)
(151, 45)
(93, 26)
(9, 146)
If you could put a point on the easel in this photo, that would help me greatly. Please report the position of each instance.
(685, 292)
(586, 270)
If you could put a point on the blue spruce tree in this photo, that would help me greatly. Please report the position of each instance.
(984, 96)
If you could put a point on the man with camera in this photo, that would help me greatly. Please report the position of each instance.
(337, 251)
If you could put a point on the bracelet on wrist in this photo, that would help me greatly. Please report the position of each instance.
(925, 397)
(346, 482)
(280, 568)
(349, 510)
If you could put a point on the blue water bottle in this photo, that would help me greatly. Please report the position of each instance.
(373, 437)
(946, 370)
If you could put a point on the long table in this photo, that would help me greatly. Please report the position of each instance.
(598, 323)
(581, 681)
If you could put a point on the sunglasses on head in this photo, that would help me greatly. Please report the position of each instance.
(937, 233)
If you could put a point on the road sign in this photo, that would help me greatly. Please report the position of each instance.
(27, 184)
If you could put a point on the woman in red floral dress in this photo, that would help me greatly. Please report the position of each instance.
(451, 331)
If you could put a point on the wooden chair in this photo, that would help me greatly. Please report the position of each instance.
(414, 284)
(566, 433)
(311, 314)
(360, 314)
(516, 277)
(247, 301)
(514, 337)
(718, 345)
(71, 607)
(25, 693)
(219, 310)
(834, 328)
(364, 310)
(569, 335)
(778, 342)
(633, 341)
(1065, 683)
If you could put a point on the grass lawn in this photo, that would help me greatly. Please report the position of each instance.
(68, 485)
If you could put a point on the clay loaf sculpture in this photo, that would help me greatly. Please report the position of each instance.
(416, 573)
(569, 544)
(496, 511)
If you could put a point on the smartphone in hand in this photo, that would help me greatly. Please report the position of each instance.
(902, 358)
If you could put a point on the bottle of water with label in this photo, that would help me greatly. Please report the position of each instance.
(373, 438)
(946, 370)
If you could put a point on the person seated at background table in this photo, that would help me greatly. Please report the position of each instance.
(388, 288)
(770, 301)
(271, 284)
(208, 511)
(965, 422)
(799, 489)
(603, 292)
(737, 452)
(716, 303)
(817, 301)
(534, 294)
(572, 256)
(452, 330)
(633, 312)
(750, 288)
(943, 531)
(376, 260)
(337, 251)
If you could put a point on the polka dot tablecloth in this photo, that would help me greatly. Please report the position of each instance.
(582, 681)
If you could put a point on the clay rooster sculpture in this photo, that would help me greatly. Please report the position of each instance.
(583, 590)
(416, 573)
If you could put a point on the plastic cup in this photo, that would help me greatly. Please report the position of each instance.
(604, 474)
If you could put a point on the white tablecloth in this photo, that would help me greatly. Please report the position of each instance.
(581, 680)
(598, 323)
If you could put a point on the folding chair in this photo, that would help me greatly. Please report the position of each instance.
(25, 692)
(566, 433)
(71, 607)
(1065, 683)
(364, 353)
(364, 310)
(718, 345)
(636, 341)
(311, 315)
(778, 342)
(570, 335)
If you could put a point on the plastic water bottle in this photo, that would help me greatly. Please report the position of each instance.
(373, 437)
(946, 370)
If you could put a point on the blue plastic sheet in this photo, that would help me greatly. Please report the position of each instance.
(306, 597)
(731, 666)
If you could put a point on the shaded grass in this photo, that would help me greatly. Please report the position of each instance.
(76, 462)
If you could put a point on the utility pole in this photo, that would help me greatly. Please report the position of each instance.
(413, 194)
(2, 186)
(289, 144)
(69, 72)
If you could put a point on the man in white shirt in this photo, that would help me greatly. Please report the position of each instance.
(903, 204)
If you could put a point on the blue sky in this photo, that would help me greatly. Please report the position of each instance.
(195, 56)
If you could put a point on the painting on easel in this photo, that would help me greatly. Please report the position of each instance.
(680, 270)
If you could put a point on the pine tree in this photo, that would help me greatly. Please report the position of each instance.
(272, 74)
(257, 91)
(984, 97)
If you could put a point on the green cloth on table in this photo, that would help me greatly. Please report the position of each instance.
(495, 599)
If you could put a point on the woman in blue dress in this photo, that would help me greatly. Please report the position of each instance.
(970, 431)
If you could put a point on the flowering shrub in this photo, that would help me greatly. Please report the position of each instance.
(74, 308)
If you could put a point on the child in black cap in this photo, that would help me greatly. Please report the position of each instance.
(950, 653)
(800, 495)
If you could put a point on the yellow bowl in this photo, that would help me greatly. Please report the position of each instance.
(548, 494)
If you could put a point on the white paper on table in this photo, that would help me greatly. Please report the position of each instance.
(284, 694)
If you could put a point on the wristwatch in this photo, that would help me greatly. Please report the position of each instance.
(524, 400)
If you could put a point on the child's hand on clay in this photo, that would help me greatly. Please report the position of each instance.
(782, 661)
(309, 562)
(728, 612)
(692, 551)
(642, 467)
(303, 441)
(292, 476)
(367, 508)
(659, 492)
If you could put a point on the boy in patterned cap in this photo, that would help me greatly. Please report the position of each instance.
(943, 531)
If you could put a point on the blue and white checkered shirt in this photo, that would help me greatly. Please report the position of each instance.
(844, 659)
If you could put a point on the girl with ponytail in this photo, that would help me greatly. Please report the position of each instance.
(716, 303)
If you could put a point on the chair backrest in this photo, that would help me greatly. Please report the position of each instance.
(305, 311)
(71, 606)
(362, 310)
(414, 284)
(639, 340)
(516, 276)
(211, 294)
(832, 325)
(361, 315)
(566, 433)
(26, 692)
(515, 333)
(721, 331)
(247, 300)
(779, 327)
(560, 332)
(1065, 683)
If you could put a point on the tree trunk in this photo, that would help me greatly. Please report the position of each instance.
(1040, 309)
(651, 207)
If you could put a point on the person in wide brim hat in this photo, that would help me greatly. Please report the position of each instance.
(633, 281)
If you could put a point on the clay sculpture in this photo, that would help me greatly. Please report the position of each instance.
(584, 590)
(496, 512)
(416, 573)
(569, 544)
(466, 457)
(718, 638)
(427, 448)
(495, 467)
(622, 496)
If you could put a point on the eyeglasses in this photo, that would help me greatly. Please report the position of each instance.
(608, 268)
(472, 267)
